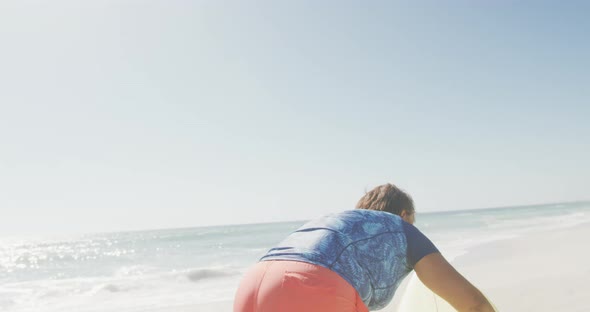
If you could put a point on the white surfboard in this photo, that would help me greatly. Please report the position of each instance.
(418, 298)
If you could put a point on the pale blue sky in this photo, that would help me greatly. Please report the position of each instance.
(124, 115)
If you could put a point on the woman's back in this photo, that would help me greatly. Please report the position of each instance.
(367, 248)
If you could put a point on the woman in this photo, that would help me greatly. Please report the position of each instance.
(353, 261)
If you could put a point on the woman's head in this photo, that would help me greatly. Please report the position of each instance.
(389, 198)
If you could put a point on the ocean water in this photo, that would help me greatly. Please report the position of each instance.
(161, 269)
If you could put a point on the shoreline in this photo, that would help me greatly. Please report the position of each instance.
(541, 271)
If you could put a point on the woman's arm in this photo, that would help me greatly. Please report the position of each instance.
(440, 276)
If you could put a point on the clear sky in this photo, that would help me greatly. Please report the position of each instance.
(124, 115)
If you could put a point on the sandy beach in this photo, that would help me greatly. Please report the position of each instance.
(539, 271)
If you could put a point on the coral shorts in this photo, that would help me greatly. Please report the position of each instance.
(289, 286)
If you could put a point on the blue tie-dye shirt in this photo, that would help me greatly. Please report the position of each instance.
(372, 250)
